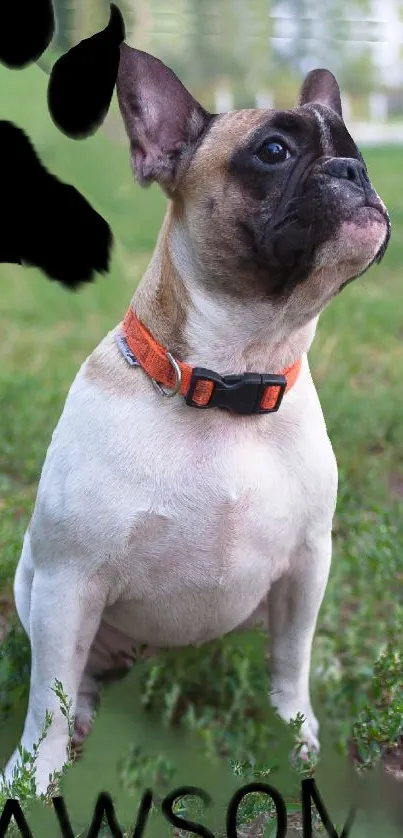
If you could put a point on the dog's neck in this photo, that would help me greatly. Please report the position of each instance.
(223, 334)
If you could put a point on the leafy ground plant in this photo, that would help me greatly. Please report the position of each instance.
(23, 785)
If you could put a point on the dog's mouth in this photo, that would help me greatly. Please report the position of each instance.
(368, 219)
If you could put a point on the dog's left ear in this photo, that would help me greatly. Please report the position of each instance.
(321, 88)
(162, 119)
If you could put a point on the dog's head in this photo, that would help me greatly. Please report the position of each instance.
(276, 204)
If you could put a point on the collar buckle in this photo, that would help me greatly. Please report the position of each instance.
(243, 394)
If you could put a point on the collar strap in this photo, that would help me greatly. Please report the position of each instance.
(246, 394)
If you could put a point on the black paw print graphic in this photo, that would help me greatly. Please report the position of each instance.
(49, 224)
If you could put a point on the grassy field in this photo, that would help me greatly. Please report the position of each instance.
(357, 364)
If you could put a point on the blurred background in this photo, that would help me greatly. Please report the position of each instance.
(242, 53)
(231, 53)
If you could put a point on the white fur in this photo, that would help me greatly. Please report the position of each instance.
(325, 136)
(170, 525)
(161, 525)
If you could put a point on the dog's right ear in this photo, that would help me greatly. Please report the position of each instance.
(162, 119)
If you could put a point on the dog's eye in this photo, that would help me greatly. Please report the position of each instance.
(273, 151)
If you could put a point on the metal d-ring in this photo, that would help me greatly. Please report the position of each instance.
(178, 373)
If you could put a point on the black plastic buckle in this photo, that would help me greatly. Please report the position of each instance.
(238, 393)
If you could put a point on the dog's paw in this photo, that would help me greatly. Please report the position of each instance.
(82, 729)
(50, 758)
(85, 710)
(307, 736)
(306, 751)
(308, 743)
(312, 725)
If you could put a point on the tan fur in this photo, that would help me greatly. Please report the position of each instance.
(162, 299)
(160, 525)
(108, 370)
(209, 166)
(161, 302)
(209, 194)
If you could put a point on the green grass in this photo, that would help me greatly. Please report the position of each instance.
(357, 363)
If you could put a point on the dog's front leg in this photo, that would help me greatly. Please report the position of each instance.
(65, 613)
(294, 602)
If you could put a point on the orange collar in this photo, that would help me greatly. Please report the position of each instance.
(246, 394)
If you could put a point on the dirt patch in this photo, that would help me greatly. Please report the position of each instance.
(257, 828)
(396, 484)
(392, 758)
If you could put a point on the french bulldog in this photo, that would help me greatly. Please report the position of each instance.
(190, 480)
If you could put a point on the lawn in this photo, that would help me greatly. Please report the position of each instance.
(357, 364)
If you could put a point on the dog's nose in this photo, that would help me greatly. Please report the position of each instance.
(347, 168)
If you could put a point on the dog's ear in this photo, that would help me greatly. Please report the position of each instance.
(321, 88)
(162, 120)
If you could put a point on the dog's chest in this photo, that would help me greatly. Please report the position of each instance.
(190, 517)
(221, 505)
(215, 532)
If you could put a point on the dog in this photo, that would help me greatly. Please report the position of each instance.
(190, 477)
